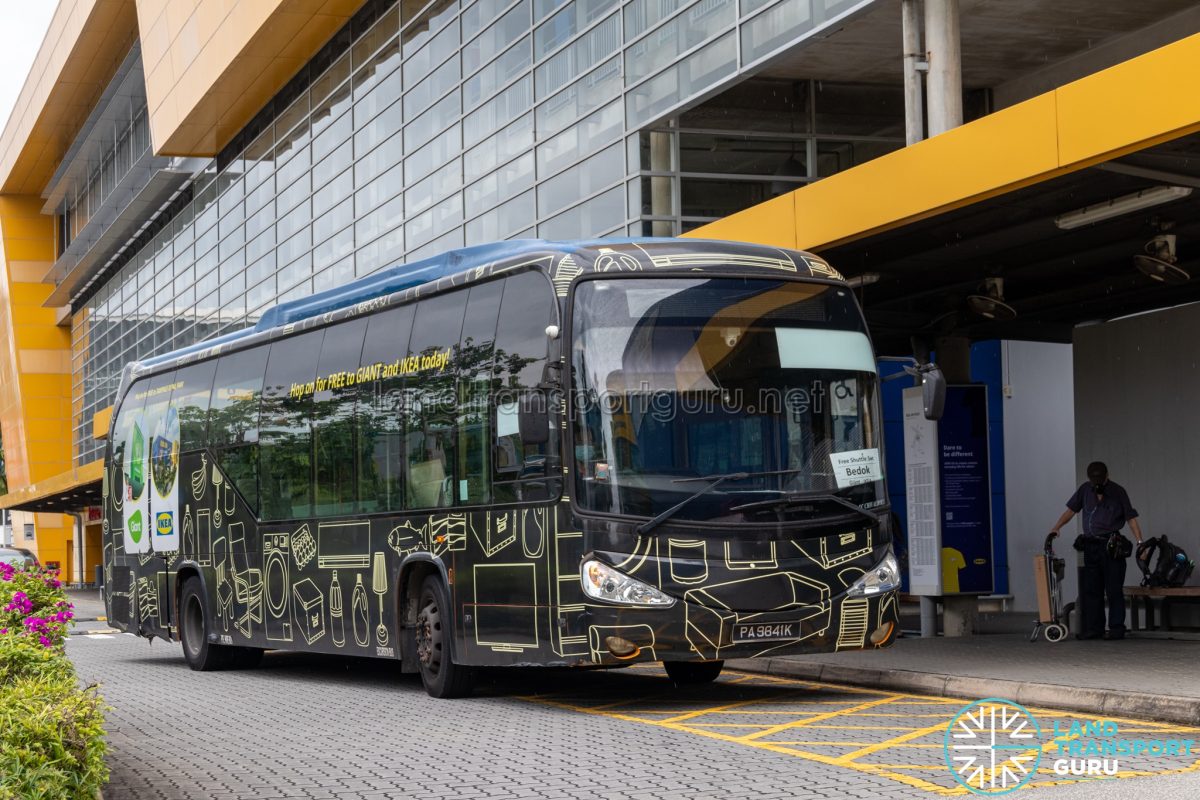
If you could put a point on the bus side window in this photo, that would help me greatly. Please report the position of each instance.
(431, 416)
(190, 401)
(380, 413)
(521, 351)
(333, 409)
(285, 427)
(233, 418)
(475, 362)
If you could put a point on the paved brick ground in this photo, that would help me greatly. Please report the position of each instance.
(305, 726)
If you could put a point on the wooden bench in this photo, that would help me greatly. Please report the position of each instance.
(1147, 595)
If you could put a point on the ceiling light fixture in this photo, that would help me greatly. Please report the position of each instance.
(1125, 204)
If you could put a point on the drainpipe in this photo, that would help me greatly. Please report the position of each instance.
(914, 65)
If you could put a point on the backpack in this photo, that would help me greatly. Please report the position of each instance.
(1172, 568)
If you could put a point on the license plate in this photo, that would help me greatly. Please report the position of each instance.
(765, 631)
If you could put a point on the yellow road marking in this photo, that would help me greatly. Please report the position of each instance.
(689, 722)
(819, 717)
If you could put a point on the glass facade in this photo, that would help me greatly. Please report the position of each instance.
(419, 129)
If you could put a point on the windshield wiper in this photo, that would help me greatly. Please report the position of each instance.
(717, 480)
(804, 497)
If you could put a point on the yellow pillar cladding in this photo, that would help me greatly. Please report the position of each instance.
(1131, 106)
(35, 369)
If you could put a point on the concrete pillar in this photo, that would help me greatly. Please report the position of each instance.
(943, 82)
(660, 187)
(914, 60)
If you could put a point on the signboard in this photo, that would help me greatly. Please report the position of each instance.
(949, 494)
(921, 477)
(966, 493)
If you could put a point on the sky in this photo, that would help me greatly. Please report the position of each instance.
(23, 25)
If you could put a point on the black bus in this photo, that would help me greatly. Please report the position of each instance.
(529, 453)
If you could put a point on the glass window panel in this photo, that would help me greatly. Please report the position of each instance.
(381, 410)
(661, 47)
(385, 250)
(786, 22)
(543, 7)
(584, 53)
(333, 193)
(432, 414)
(420, 163)
(435, 187)
(330, 94)
(592, 218)
(295, 272)
(450, 240)
(501, 222)
(380, 160)
(521, 351)
(514, 177)
(440, 81)
(581, 97)
(377, 52)
(190, 400)
(566, 23)
(475, 364)
(379, 190)
(285, 427)
(426, 58)
(480, 13)
(334, 401)
(331, 137)
(498, 148)
(293, 194)
(297, 166)
(334, 248)
(498, 111)
(847, 109)
(438, 219)
(384, 218)
(260, 269)
(492, 41)
(333, 220)
(293, 220)
(378, 98)
(564, 148)
(421, 129)
(581, 180)
(701, 69)
(332, 164)
(512, 62)
(233, 418)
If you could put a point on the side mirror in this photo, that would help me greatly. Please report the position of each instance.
(533, 419)
(933, 392)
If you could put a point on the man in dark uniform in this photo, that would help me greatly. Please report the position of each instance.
(1105, 508)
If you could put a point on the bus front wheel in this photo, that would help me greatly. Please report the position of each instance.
(201, 654)
(685, 673)
(441, 676)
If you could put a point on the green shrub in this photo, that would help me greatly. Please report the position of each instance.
(51, 731)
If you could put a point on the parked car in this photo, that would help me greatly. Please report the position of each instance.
(18, 557)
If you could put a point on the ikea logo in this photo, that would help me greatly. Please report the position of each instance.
(164, 523)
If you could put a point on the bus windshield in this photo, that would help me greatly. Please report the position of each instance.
(679, 381)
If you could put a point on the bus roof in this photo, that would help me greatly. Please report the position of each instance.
(394, 279)
(406, 276)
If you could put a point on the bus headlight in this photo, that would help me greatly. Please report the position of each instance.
(883, 577)
(602, 582)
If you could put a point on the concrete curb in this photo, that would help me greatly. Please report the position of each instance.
(1163, 708)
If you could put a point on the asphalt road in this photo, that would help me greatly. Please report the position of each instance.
(308, 726)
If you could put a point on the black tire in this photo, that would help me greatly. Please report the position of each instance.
(441, 676)
(692, 673)
(194, 628)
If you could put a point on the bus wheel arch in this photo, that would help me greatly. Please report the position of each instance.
(185, 573)
(413, 573)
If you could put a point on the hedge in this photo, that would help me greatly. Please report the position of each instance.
(51, 730)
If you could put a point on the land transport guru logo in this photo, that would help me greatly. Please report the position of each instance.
(995, 746)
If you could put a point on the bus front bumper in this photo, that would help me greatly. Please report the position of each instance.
(695, 631)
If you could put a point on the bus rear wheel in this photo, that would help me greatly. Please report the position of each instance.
(201, 654)
(691, 673)
(441, 676)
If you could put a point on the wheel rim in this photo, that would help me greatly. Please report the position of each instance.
(429, 636)
(193, 626)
